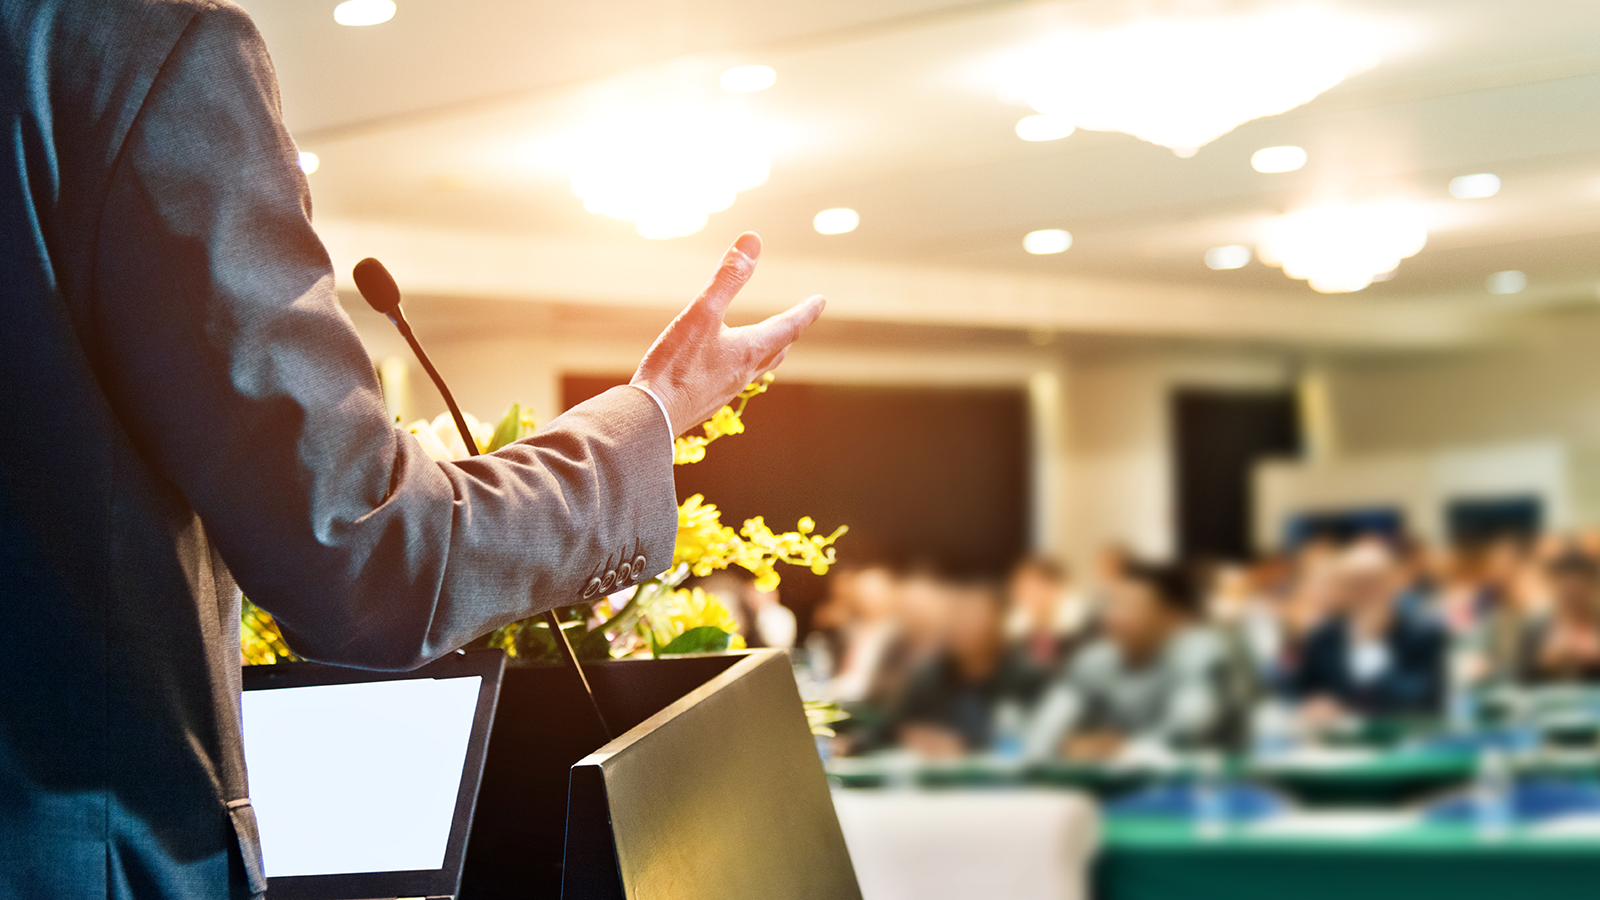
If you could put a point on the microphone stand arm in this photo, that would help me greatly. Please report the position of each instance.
(556, 632)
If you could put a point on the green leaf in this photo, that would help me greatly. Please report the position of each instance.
(514, 426)
(704, 639)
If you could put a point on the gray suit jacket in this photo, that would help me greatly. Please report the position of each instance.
(186, 406)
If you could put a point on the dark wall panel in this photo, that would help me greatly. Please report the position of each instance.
(919, 474)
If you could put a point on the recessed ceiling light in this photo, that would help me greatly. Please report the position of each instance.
(309, 162)
(836, 221)
(1510, 281)
(1272, 160)
(1475, 187)
(1044, 128)
(1233, 256)
(744, 79)
(363, 12)
(1046, 241)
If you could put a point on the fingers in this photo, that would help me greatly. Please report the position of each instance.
(738, 264)
(774, 334)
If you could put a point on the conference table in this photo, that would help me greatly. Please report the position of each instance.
(1353, 825)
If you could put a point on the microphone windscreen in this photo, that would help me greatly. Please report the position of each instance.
(377, 286)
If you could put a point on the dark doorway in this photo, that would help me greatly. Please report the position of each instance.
(1218, 438)
(923, 476)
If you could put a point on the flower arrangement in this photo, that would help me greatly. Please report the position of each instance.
(657, 617)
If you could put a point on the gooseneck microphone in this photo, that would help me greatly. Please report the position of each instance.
(377, 286)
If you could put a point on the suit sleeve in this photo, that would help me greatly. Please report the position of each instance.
(234, 370)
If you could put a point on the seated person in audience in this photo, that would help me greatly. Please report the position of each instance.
(864, 616)
(1564, 645)
(1372, 656)
(762, 618)
(951, 701)
(1045, 619)
(1153, 678)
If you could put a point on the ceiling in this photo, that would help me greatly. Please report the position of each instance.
(434, 132)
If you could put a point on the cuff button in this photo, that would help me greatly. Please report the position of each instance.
(638, 565)
(592, 588)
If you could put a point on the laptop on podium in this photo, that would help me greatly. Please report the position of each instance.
(364, 783)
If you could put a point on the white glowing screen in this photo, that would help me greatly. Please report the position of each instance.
(349, 778)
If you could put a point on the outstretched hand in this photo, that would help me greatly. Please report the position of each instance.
(698, 364)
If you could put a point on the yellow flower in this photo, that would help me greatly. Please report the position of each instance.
(725, 421)
(677, 612)
(706, 545)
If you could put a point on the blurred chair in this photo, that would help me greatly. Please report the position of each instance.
(957, 845)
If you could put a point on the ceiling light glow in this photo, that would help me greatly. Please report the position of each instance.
(1475, 187)
(1047, 241)
(836, 221)
(1273, 160)
(1337, 249)
(309, 162)
(1044, 128)
(746, 79)
(666, 170)
(1508, 282)
(363, 12)
(1182, 81)
(1233, 256)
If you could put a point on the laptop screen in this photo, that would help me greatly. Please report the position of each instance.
(357, 778)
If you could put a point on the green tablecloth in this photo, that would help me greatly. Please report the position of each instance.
(1161, 860)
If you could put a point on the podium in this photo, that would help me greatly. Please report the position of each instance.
(712, 789)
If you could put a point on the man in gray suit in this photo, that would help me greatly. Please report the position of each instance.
(188, 409)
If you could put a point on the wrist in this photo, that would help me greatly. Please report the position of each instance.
(660, 404)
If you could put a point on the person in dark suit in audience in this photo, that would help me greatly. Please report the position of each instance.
(191, 412)
(1373, 656)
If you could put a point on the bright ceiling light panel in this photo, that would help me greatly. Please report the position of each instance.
(1337, 249)
(667, 170)
(363, 12)
(1272, 160)
(747, 79)
(309, 162)
(1475, 187)
(836, 221)
(1508, 282)
(1044, 128)
(1047, 241)
(1233, 256)
(1182, 81)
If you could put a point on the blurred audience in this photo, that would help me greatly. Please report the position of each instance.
(1563, 646)
(763, 619)
(1045, 618)
(1372, 654)
(951, 700)
(1145, 658)
(1154, 677)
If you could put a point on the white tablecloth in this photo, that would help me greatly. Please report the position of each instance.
(969, 845)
